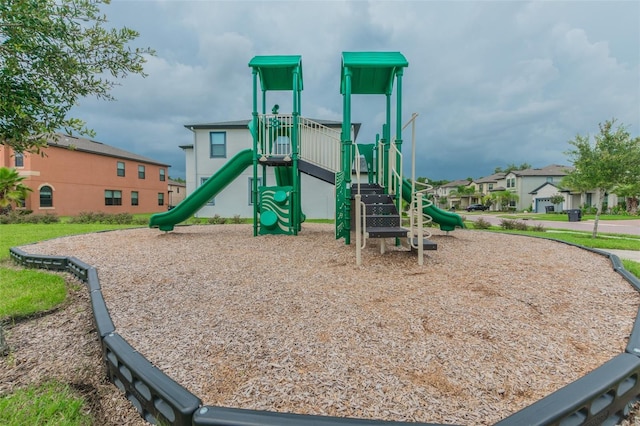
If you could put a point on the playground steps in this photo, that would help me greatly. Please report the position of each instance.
(382, 219)
(427, 244)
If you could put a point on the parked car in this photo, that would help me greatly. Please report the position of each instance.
(473, 207)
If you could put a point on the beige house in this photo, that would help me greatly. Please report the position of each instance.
(177, 191)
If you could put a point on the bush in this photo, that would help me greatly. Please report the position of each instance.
(216, 220)
(513, 225)
(18, 216)
(107, 218)
(538, 228)
(237, 219)
(481, 224)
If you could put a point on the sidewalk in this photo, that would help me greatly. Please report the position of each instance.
(625, 254)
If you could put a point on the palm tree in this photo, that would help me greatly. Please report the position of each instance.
(12, 191)
(503, 198)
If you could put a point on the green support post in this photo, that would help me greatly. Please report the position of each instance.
(256, 135)
(295, 205)
(346, 152)
(399, 136)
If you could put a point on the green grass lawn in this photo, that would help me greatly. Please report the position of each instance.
(27, 292)
(604, 241)
(51, 403)
(563, 217)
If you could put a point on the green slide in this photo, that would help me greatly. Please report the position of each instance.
(194, 202)
(448, 221)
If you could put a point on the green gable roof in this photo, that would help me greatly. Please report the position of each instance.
(276, 72)
(372, 73)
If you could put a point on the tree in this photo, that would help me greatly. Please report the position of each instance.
(504, 198)
(631, 193)
(12, 191)
(557, 199)
(613, 161)
(52, 53)
(511, 167)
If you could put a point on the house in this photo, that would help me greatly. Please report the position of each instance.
(542, 195)
(75, 175)
(524, 182)
(448, 195)
(177, 192)
(214, 144)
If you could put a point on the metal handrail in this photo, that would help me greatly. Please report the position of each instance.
(322, 144)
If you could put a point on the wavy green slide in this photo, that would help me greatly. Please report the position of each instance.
(448, 221)
(198, 198)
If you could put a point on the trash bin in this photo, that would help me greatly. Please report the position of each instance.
(549, 209)
(575, 215)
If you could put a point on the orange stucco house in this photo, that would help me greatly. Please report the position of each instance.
(80, 175)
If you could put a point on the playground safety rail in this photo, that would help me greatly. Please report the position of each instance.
(602, 397)
(319, 144)
(273, 131)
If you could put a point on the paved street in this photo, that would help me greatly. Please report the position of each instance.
(630, 227)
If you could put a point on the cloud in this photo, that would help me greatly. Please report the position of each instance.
(494, 82)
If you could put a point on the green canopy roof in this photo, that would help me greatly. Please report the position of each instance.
(372, 73)
(276, 72)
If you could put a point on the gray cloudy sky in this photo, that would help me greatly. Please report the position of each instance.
(494, 82)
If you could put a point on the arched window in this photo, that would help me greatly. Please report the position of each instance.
(46, 196)
(19, 159)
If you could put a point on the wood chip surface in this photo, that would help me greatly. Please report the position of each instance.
(488, 325)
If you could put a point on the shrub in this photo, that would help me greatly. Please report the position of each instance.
(236, 219)
(507, 224)
(123, 218)
(140, 221)
(216, 220)
(481, 224)
(20, 217)
(538, 228)
(521, 226)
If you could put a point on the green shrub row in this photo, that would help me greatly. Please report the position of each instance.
(108, 218)
(215, 220)
(18, 217)
(14, 217)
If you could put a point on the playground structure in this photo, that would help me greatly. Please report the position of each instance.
(292, 144)
(601, 397)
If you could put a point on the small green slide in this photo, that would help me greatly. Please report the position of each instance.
(196, 200)
(448, 221)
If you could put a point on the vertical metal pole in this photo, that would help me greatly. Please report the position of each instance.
(413, 152)
(420, 231)
(358, 199)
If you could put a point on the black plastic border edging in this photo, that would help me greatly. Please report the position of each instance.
(155, 395)
(601, 397)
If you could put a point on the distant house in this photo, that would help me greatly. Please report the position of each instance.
(524, 182)
(177, 192)
(77, 175)
(541, 198)
(449, 193)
